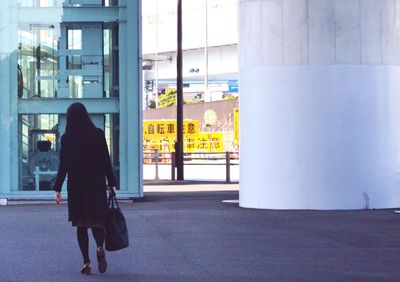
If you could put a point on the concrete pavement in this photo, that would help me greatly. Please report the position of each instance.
(194, 236)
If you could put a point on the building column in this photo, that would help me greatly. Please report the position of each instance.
(131, 100)
(5, 125)
(8, 98)
(320, 104)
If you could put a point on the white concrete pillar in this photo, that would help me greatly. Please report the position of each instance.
(320, 104)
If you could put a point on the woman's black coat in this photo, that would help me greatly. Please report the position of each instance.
(85, 158)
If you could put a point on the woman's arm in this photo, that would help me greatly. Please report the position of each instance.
(62, 168)
(108, 171)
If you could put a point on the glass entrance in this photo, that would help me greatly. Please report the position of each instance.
(70, 61)
(39, 148)
(54, 53)
(38, 151)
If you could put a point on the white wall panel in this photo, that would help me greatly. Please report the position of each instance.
(251, 25)
(371, 32)
(321, 31)
(347, 32)
(271, 33)
(222, 30)
(295, 32)
(222, 60)
(390, 32)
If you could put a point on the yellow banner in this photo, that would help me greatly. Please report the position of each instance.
(203, 142)
(236, 124)
(167, 128)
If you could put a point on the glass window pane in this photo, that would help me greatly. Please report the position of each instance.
(111, 131)
(75, 86)
(110, 59)
(37, 60)
(74, 39)
(74, 62)
(39, 137)
(38, 151)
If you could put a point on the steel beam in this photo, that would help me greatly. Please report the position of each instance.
(82, 14)
(60, 105)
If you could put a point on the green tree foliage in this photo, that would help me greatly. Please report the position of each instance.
(168, 99)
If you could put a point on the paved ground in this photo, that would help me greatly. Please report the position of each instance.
(195, 237)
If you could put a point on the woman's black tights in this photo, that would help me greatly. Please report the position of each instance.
(83, 240)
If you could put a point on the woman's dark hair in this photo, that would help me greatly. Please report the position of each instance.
(78, 119)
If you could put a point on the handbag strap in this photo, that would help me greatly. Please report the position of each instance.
(112, 198)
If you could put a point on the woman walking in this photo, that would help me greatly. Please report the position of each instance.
(85, 158)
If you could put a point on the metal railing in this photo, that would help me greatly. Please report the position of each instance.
(157, 158)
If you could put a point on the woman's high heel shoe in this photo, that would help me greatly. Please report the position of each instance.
(101, 260)
(86, 269)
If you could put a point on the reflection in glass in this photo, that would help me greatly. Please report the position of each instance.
(74, 62)
(37, 60)
(109, 3)
(110, 43)
(40, 72)
(111, 130)
(75, 86)
(54, 61)
(74, 39)
(39, 3)
(38, 151)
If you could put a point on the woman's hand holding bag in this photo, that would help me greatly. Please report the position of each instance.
(116, 230)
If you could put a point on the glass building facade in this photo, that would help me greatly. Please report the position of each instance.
(54, 53)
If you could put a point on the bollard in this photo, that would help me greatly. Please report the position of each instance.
(37, 178)
(173, 166)
(156, 158)
(228, 166)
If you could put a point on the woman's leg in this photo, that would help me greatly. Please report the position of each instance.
(98, 234)
(83, 241)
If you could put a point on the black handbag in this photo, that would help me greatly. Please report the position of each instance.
(116, 231)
